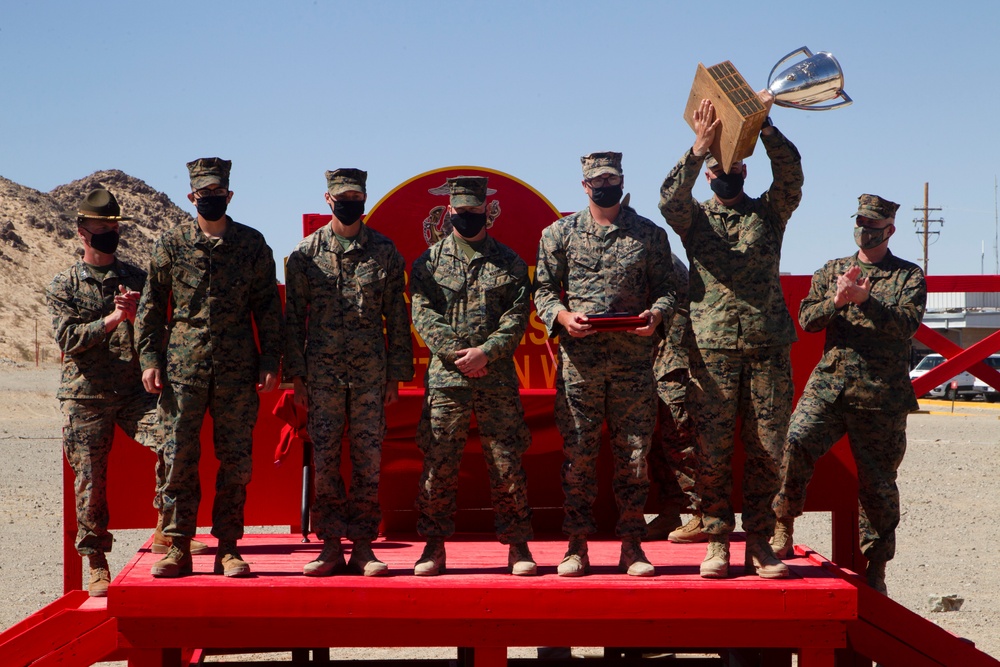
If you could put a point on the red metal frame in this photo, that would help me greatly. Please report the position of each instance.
(957, 359)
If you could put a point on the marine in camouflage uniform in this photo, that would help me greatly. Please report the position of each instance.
(604, 259)
(740, 364)
(870, 305)
(673, 466)
(471, 299)
(217, 277)
(93, 305)
(342, 282)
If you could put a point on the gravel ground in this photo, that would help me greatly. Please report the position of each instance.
(948, 483)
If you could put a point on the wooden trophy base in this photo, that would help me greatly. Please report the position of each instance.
(736, 104)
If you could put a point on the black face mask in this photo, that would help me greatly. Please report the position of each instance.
(348, 212)
(106, 242)
(607, 196)
(212, 208)
(468, 224)
(728, 186)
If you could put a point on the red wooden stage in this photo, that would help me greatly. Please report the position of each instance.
(476, 603)
(824, 613)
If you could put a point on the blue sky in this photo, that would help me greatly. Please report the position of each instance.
(287, 90)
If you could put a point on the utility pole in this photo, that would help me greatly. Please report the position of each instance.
(925, 222)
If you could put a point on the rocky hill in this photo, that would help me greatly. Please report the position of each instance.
(38, 240)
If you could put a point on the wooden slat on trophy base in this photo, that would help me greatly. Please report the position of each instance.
(736, 104)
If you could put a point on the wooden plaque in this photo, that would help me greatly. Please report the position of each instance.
(736, 104)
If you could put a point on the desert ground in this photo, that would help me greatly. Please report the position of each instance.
(946, 541)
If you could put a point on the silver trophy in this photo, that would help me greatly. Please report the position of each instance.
(805, 84)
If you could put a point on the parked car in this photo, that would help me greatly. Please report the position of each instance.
(966, 380)
(982, 389)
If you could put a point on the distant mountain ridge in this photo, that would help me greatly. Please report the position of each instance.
(38, 240)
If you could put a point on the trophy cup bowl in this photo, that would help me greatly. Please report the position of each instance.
(806, 84)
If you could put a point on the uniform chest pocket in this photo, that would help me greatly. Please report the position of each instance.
(449, 282)
(370, 276)
(584, 258)
(883, 291)
(89, 305)
(324, 270)
(631, 255)
(752, 231)
(187, 275)
(497, 280)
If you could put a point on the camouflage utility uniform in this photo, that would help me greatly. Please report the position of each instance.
(740, 363)
(860, 387)
(674, 466)
(461, 303)
(101, 386)
(585, 267)
(217, 289)
(336, 300)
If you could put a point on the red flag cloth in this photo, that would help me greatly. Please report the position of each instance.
(294, 430)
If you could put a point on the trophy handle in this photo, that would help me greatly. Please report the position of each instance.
(801, 49)
(846, 101)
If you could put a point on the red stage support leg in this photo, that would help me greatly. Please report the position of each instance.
(846, 549)
(487, 656)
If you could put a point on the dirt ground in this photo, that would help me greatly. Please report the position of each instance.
(945, 544)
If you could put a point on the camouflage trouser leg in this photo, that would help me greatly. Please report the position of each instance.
(756, 385)
(673, 465)
(334, 514)
(505, 437)
(182, 410)
(88, 431)
(627, 400)
(234, 413)
(878, 442)
(816, 425)
(441, 437)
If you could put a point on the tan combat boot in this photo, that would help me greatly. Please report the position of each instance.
(330, 560)
(432, 560)
(228, 561)
(633, 561)
(665, 523)
(161, 543)
(364, 561)
(176, 563)
(520, 562)
(760, 559)
(100, 575)
(716, 563)
(875, 573)
(689, 533)
(781, 542)
(576, 562)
